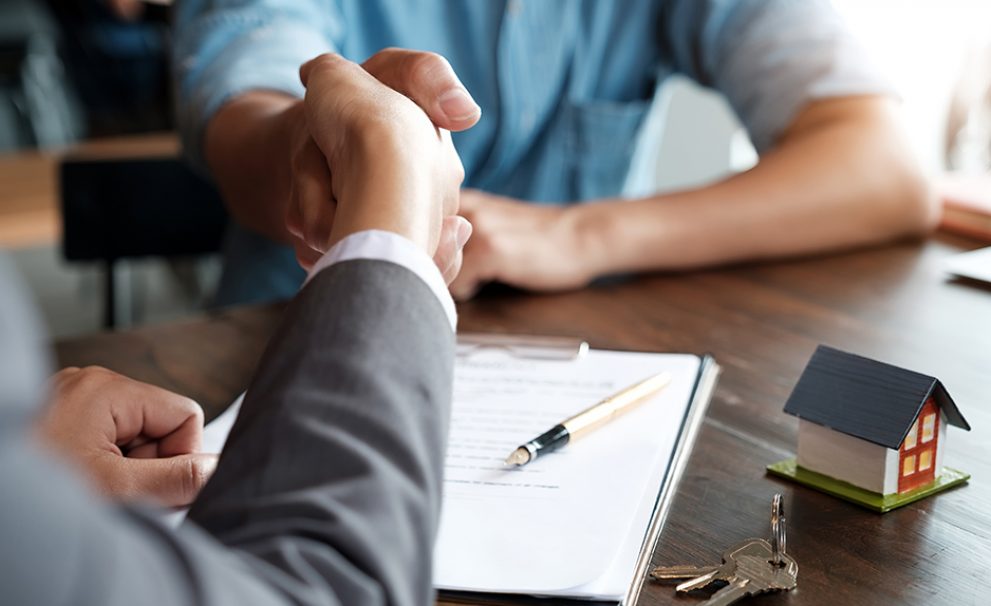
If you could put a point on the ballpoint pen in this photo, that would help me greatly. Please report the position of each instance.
(588, 419)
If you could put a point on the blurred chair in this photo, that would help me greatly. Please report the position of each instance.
(690, 138)
(123, 209)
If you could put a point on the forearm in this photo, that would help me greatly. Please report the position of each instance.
(247, 146)
(837, 179)
(339, 445)
(330, 488)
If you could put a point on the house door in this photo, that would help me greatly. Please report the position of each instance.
(917, 460)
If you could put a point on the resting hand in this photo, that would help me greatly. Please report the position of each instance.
(425, 78)
(525, 245)
(134, 440)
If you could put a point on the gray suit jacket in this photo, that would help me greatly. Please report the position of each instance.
(328, 491)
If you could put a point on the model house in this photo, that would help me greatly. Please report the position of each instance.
(873, 425)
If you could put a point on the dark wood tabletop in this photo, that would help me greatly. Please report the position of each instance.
(761, 322)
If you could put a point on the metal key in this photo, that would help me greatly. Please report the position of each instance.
(752, 567)
(701, 576)
(756, 574)
(680, 573)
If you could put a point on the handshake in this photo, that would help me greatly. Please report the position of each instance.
(339, 446)
(371, 149)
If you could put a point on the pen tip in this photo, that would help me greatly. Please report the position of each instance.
(520, 456)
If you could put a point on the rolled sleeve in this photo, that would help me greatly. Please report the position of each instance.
(771, 57)
(225, 48)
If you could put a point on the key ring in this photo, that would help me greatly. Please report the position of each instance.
(777, 529)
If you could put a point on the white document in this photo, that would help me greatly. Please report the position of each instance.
(571, 522)
(975, 264)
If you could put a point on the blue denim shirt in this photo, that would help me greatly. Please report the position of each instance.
(564, 85)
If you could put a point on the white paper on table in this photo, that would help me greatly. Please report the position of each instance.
(975, 264)
(572, 522)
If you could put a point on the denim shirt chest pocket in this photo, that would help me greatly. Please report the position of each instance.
(600, 139)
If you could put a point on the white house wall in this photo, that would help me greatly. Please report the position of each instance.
(892, 467)
(843, 457)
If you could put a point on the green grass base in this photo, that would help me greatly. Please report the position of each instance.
(948, 478)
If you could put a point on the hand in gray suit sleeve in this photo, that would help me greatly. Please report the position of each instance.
(332, 473)
(328, 490)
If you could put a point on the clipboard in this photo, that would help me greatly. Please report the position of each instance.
(554, 351)
(553, 348)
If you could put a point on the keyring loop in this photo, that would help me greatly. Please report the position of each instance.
(778, 537)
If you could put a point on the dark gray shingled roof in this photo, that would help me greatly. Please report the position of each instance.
(865, 398)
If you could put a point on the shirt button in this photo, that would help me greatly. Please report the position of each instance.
(513, 7)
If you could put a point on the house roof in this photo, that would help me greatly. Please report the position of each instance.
(865, 398)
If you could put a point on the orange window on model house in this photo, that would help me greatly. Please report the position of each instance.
(917, 456)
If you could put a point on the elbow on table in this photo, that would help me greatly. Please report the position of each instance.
(910, 207)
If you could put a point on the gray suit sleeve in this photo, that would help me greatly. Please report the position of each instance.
(328, 491)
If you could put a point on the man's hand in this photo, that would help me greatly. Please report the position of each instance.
(521, 244)
(134, 440)
(840, 176)
(387, 166)
(425, 78)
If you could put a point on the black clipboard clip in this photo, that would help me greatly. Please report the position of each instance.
(523, 346)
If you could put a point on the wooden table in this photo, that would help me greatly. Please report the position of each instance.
(762, 323)
(29, 199)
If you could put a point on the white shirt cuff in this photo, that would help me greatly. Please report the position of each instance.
(388, 246)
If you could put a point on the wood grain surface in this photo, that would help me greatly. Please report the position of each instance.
(761, 322)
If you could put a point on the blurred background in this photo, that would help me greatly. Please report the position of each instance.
(84, 84)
